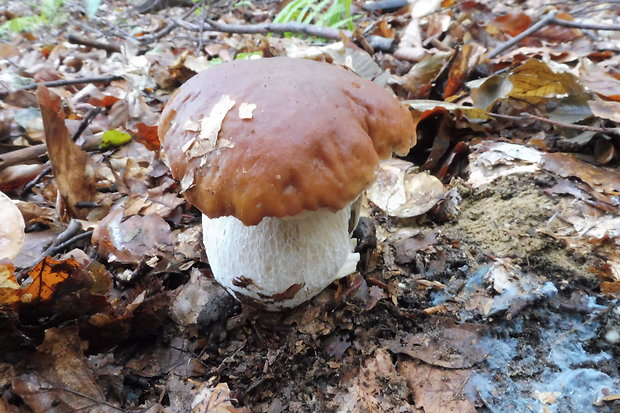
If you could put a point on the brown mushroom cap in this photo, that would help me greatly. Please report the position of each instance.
(313, 141)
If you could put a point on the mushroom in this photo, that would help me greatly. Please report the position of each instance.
(12, 228)
(274, 152)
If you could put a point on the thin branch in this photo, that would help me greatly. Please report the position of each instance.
(67, 82)
(55, 250)
(548, 19)
(529, 31)
(585, 26)
(22, 155)
(85, 396)
(524, 116)
(169, 28)
(613, 131)
(264, 28)
(76, 39)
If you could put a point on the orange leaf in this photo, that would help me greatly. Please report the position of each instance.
(46, 276)
(147, 136)
(104, 102)
(513, 24)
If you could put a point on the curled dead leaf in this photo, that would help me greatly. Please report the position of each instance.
(402, 192)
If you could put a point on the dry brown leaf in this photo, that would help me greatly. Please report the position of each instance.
(15, 176)
(215, 400)
(72, 169)
(510, 23)
(402, 192)
(605, 110)
(367, 391)
(147, 136)
(448, 345)
(599, 81)
(63, 381)
(437, 390)
(606, 180)
(464, 62)
(133, 240)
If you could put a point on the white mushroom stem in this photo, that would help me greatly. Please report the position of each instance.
(281, 262)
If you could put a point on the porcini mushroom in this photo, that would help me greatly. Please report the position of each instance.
(273, 152)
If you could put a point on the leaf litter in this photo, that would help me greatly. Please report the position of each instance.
(495, 291)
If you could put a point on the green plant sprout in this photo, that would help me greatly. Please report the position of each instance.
(48, 13)
(321, 13)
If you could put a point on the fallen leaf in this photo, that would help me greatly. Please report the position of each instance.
(215, 400)
(605, 110)
(402, 192)
(599, 81)
(367, 391)
(147, 136)
(59, 378)
(449, 345)
(437, 390)
(134, 239)
(46, 276)
(510, 23)
(71, 166)
(8, 285)
(606, 180)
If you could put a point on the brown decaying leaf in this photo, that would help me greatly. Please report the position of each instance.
(147, 136)
(605, 110)
(606, 180)
(510, 23)
(599, 81)
(448, 345)
(134, 239)
(215, 400)
(467, 58)
(71, 167)
(63, 381)
(368, 390)
(15, 176)
(437, 390)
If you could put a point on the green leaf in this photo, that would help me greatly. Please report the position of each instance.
(112, 138)
(92, 6)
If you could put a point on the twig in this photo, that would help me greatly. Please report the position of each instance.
(170, 27)
(36, 180)
(585, 26)
(548, 19)
(73, 228)
(203, 11)
(529, 31)
(21, 155)
(614, 131)
(264, 28)
(85, 396)
(67, 82)
(524, 116)
(76, 39)
(85, 122)
(70, 241)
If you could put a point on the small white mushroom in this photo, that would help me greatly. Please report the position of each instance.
(11, 228)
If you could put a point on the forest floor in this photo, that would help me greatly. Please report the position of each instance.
(490, 270)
